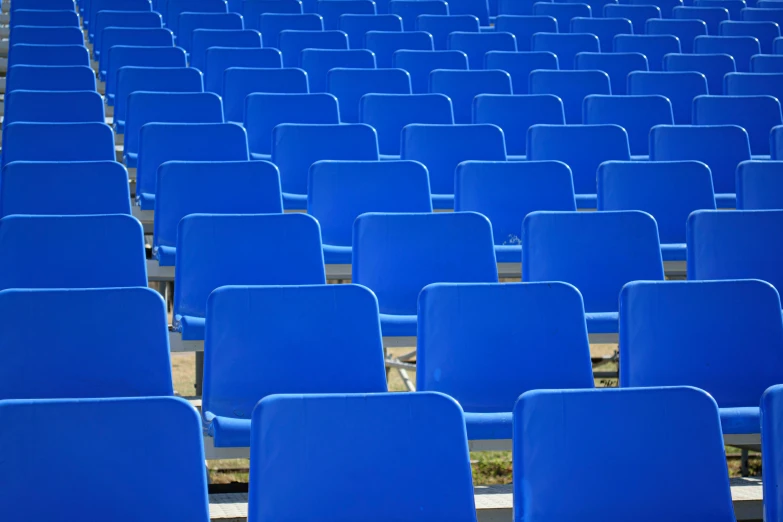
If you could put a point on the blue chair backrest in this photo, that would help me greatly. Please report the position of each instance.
(88, 440)
(770, 458)
(340, 191)
(177, 7)
(349, 85)
(203, 39)
(524, 27)
(604, 28)
(440, 26)
(27, 34)
(766, 14)
(384, 44)
(153, 79)
(740, 244)
(740, 47)
(766, 63)
(764, 32)
(64, 188)
(648, 186)
(760, 185)
(80, 327)
(354, 141)
(453, 247)
(478, 8)
(272, 24)
(265, 111)
(756, 114)
(636, 114)
(420, 64)
(131, 36)
(271, 353)
(515, 113)
(566, 46)
(684, 30)
(519, 65)
(45, 252)
(357, 25)
(653, 46)
(218, 59)
(189, 22)
(721, 147)
(331, 11)
(506, 192)
(50, 78)
(442, 147)
(97, 6)
(428, 426)
(42, 18)
(253, 9)
(462, 86)
(106, 19)
(617, 65)
(53, 106)
(636, 420)
(37, 54)
(734, 7)
(712, 16)
(746, 84)
(637, 14)
(713, 66)
(389, 113)
(562, 12)
(121, 56)
(581, 147)
(46, 5)
(679, 333)
(476, 45)
(546, 348)
(239, 82)
(24, 141)
(572, 87)
(679, 87)
(597, 252)
(409, 10)
(293, 42)
(318, 63)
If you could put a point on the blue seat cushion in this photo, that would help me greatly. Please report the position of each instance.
(673, 251)
(229, 433)
(398, 325)
(337, 255)
(191, 327)
(602, 322)
(293, 201)
(726, 200)
(508, 253)
(586, 201)
(736, 421)
(488, 426)
(443, 201)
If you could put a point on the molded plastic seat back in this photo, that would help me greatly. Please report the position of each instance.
(679, 87)
(562, 12)
(653, 46)
(409, 10)
(114, 5)
(756, 114)
(712, 16)
(131, 36)
(572, 87)
(42, 18)
(177, 7)
(524, 27)
(318, 63)
(384, 44)
(24, 141)
(740, 47)
(713, 66)
(153, 79)
(240, 82)
(476, 45)
(106, 19)
(293, 42)
(684, 30)
(189, 22)
(748, 84)
(27, 34)
(218, 59)
(121, 56)
(41, 54)
(440, 26)
(349, 85)
(519, 65)
(420, 64)
(617, 65)
(463, 86)
(203, 39)
(50, 78)
(566, 46)
(53, 107)
(637, 14)
(770, 433)
(604, 28)
(636, 114)
(356, 26)
(331, 11)
(766, 63)
(272, 24)
(760, 185)
(252, 10)
(764, 32)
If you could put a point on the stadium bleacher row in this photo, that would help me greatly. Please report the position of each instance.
(296, 189)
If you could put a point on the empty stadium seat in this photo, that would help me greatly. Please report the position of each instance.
(481, 9)
(653, 46)
(605, 28)
(318, 62)
(53, 106)
(293, 42)
(130, 36)
(617, 65)
(637, 14)
(463, 86)
(684, 30)
(756, 114)
(764, 32)
(357, 25)
(331, 11)
(476, 45)
(62, 188)
(354, 141)
(105, 19)
(46, 35)
(44, 18)
(239, 82)
(210, 187)
(175, 7)
(162, 142)
(252, 10)
(712, 16)
(389, 113)
(203, 39)
(95, 6)
(50, 78)
(409, 10)
(123, 57)
(47, 5)
(563, 12)
(272, 24)
(572, 87)
(519, 65)
(636, 114)
(420, 64)
(713, 66)
(566, 46)
(734, 7)
(760, 185)
(189, 22)
(769, 14)
(384, 44)
(90, 141)
(524, 27)
(442, 147)
(340, 191)
(680, 87)
(440, 26)
(218, 59)
(46, 252)
(215, 250)
(666, 6)
(35, 54)
(349, 85)
(770, 458)
(766, 63)
(749, 84)
(739, 47)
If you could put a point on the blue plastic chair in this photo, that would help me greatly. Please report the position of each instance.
(636, 420)
(734, 7)
(667, 190)
(130, 36)
(409, 10)
(384, 44)
(637, 14)
(515, 114)
(452, 247)
(292, 43)
(53, 106)
(176, 7)
(653, 46)
(47, 5)
(770, 435)
(440, 26)
(721, 147)
(712, 16)
(427, 426)
(566, 46)
(515, 7)
(252, 10)
(478, 8)
(666, 6)
(26, 34)
(523, 27)
(687, 332)
(210, 187)
(331, 10)
(463, 86)
(768, 14)
(162, 142)
(340, 191)
(105, 19)
(572, 87)
(352, 141)
(749, 84)
(121, 56)
(50, 78)
(357, 25)
(604, 28)
(215, 250)
(713, 66)
(506, 192)
(420, 64)
(64, 188)
(218, 59)
(562, 12)
(265, 111)
(23, 141)
(166, 107)
(679, 87)
(741, 48)
(519, 65)
(189, 22)
(272, 24)
(581, 147)
(760, 185)
(617, 65)
(80, 324)
(389, 113)
(318, 63)
(237, 374)
(43, 18)
(442, 147)
(97, 6)
(597, 252)
(741, 244)
(685, 31)
(476, 45)
(766, 63)
(46, 252)
(764, 32)
(203, 39)
(239, 82)
(85, 441)
(756, 114)
(636, 114)
(35, 54)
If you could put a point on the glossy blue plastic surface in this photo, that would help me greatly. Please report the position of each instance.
(617, 65)
(189, 22)
(566, 46)
(131, 36)
(80, 326)
(555, 435)
(734, 7)
(766, 63)
(684, 30)
(25, 34)
(331, 10)
(24, 141)
(409, 10)
(562, 12)
(203, 39)
(45, 252)
(746, 84)
(50, 78)
(440, 26)
(44, 18)
(105, 19)
(36, 54)
(85, 442)
(476, 45)
(292, 42)
(356, 434)
(636, 114)
(713, 66)
(637, 14)
(385, 43)
(250, 249)
(389, 113)
(679, 87)
(760, 185)
(56, 188)
(478, 8)
(218, 59)
(96, 6)
(272, 24)
(766, 14)
(571, 87)
(771, 415)
(524, 27)
(153, 79)
(122, 56)
(420, 64)
(255, 346)
(519, 65)
(176, 7)
(357, 25)
(318, 63)
(463, 86)
(605, 28)
(219, 187)
(756, 114)
(653, 46)
(239, 82)
(764, 32)
(712, 16)
(53, 107)
(47, 5)
(739, 47)
(349, 85)
(252, 10)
